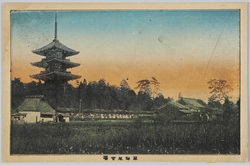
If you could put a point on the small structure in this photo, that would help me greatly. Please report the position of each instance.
(34, 109)
(62, 118)
(215, 114)
(17, 118)
(64, 114)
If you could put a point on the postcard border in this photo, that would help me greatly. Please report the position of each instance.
(7, 7)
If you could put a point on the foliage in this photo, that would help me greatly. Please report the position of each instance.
(145, 86)
(92, 95)
(230, 111)
(220, 90)
(124, 84)
(214, 104)
(156, 86)
(17, 93)
(238, 103)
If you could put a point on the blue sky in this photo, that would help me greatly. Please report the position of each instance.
(169, 27)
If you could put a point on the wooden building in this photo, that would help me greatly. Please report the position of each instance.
(34, 109)
(195, 105)
(173, 111)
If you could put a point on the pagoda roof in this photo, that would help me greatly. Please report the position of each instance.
(44, 63)
(56, 75)
(55, 44)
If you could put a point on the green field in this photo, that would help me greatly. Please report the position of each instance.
(125, 137)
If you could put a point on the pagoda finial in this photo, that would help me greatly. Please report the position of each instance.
(55, 27)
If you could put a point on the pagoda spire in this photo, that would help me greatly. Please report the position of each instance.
(55, 27)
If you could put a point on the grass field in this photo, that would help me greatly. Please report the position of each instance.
(125, 137)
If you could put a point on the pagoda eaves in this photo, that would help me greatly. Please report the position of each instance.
(55, 77)
(65, 63)
(57, 46)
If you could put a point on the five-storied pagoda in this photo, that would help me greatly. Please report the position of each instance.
(55, 62)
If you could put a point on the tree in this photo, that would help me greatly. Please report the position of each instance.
(156, 86)
(124, 84)
(238, 103)
(228, 109)
(102, 81)
(220, 90)
(214, 104)
(145, 86)
(82, 93)
(159, 100)
(145, 102)
(17, 93)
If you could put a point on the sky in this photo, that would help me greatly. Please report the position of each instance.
(182, 49)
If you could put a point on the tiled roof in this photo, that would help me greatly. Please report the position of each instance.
(192, 102)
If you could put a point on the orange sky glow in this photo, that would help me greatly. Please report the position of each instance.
(189, 79)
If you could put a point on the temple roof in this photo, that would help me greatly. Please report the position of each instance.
(63, 76)
(45, 62)
(192, 102)
(55, 44)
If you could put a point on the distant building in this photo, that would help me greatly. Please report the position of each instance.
(215, 114)
(107, 114)
(64, 114)
(173, 111)
(196, 105)
(62, 118)
(55, 62)
(102, 114)
(34, 109)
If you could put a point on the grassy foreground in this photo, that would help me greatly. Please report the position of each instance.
(127, 137)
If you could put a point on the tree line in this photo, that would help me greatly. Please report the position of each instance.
(92, 95)
(102, 95)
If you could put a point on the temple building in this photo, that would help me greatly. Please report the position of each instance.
(55, 62)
